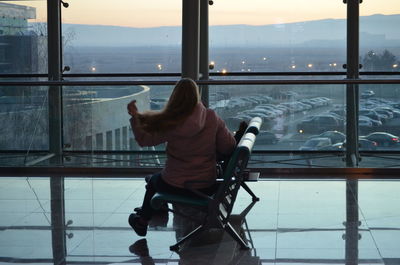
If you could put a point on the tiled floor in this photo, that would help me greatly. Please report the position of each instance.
(295, 222)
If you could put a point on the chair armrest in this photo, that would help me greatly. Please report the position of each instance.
(254, 126)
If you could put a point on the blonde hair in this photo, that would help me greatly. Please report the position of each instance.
(180, 105)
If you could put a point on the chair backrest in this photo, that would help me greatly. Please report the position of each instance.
(233, 177)
(254, 125)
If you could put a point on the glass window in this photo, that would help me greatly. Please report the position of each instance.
(23, 50)
(122, 36)
(289, 35)
(24, 118)
(379, 35)
(379, 51)
(291, 115)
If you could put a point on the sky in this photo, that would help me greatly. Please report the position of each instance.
(154, 13)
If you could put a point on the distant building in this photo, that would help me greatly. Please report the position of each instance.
(18, 46)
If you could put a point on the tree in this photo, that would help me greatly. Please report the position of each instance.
(386, 61)
(40, 30)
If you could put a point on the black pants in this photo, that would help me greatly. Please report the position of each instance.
(157, 184)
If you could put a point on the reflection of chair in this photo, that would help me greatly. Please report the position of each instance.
(217, 247)
(217, 208)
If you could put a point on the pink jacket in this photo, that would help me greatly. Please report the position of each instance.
(191, 147)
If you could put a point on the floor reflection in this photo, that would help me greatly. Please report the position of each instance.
(295, 222)
(211, 247)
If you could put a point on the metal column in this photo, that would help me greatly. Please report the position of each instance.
(58, 220)
(190, 38)
(55, 129)
(352, 222)
(54, 71)
(352, 155)
(204, 59)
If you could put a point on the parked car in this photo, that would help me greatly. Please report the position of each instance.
(364, 122)
(367, 94)
(372, 114)
(316, 143)
(384, 112)
(374, 122)
(308, 101)
(382, 138)
(273, 109)
(265, 137)
(394, 111)
(334, 136)
(262, 114)
(365, 145)
(319, 123)
(334, 147)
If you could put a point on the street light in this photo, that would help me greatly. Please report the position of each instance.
(211, 65)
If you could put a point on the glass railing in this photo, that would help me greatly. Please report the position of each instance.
(304, 120)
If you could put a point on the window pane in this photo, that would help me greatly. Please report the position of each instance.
(24, 118)
(295, 118)
(96, 119)
(379, 117)
(379, 35)
(289, 35)
(122, 36)
(23, 37)
(379, 51)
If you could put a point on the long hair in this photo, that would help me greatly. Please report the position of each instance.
(180, 105)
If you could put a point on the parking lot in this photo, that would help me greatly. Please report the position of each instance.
(292, 124)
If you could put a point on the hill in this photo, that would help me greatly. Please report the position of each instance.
(374, 30)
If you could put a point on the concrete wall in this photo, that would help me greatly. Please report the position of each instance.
(102, 124)
(98, 123)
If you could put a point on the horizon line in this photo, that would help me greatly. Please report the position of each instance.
(220, 25)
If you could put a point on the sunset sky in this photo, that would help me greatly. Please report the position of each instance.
(153, 13)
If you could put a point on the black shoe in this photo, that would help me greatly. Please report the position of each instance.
(134, 221)
(140, 248)
(138, 210)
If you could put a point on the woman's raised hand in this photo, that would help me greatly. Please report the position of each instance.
(132, 108)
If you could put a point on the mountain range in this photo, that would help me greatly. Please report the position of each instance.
(374, 31)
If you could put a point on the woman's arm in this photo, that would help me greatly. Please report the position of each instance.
(142, 137)
(225, 141)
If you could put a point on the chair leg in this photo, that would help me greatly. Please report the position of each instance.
(188, 236)
(231, 231)
(249, 191)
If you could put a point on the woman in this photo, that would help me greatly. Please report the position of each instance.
(194, 135)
